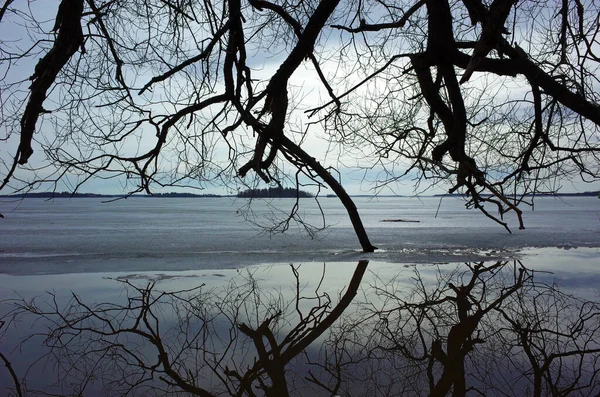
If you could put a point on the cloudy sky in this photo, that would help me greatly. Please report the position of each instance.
(357, 176)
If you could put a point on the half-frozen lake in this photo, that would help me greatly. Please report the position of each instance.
(54, 249)
(173, 234)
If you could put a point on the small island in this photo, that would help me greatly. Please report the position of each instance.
(274, 192)
(182, 195)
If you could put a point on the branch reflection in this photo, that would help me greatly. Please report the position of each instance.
(476, 328)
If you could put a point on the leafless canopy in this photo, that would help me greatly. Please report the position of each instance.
(499, 99)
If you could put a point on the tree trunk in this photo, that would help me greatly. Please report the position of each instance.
(337, 188)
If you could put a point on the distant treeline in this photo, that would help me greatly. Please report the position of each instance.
(55, 195)
(50, 195)
(250, 193)
(182, 195)
(274, 192)
(583, 194)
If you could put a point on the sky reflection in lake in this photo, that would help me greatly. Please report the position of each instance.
(575, 271)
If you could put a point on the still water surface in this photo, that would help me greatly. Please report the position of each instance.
(174, 234)
(82, 245)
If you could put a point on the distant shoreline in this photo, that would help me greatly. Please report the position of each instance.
(582, 194)
(50, 195)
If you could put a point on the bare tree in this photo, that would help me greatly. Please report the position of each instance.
(500, 97)
(183, 92)
(178, 86)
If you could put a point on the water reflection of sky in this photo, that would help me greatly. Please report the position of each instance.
(575, 270)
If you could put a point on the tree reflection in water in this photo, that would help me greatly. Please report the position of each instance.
(477, 329)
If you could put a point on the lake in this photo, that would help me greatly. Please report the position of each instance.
(148, 234)
(102, 252)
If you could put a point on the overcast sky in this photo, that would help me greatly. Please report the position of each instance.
(305, 84)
